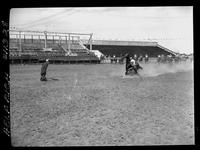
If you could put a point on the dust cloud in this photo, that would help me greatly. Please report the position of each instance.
(155, 69)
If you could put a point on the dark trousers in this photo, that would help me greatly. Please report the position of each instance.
(43, 77)
(127, 68)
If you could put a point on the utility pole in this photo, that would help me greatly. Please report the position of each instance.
(69, 42)
(45, 34)
(20, 42)
(91, 41)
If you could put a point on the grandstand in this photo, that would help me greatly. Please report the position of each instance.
(33, 46)
(119, 48)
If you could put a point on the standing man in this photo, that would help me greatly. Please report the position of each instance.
(135, 57)
(140, 58)
(146, 59)
(44, 70)
(158, 59)
(127, 63)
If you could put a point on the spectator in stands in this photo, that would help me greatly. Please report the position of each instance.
(102, 57)
(140, 58)
(158, 59)
(146, 59)
(169, 58)
(162, 58)
(135, 57)
(43, 70)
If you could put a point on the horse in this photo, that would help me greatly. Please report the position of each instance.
(133, 69)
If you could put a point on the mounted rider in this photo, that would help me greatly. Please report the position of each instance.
(135, 57)
(131, 64)
(134, 65)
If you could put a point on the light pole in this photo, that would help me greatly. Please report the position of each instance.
(45, 34)
(20, 42)
(91, 41)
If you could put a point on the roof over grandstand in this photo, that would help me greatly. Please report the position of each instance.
(126, 43)
(130, 43)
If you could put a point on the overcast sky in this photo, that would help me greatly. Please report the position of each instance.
(171, 27)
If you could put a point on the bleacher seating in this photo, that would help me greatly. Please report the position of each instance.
(73, 46)
(110, 50)
(14, 49)
(32, 46)
(76, 48)
(35, 48)
(79, 50)
(54, 46)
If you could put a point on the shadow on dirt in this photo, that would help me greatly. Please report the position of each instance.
(52, 79)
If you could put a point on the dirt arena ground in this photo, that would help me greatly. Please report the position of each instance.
(95, 105)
